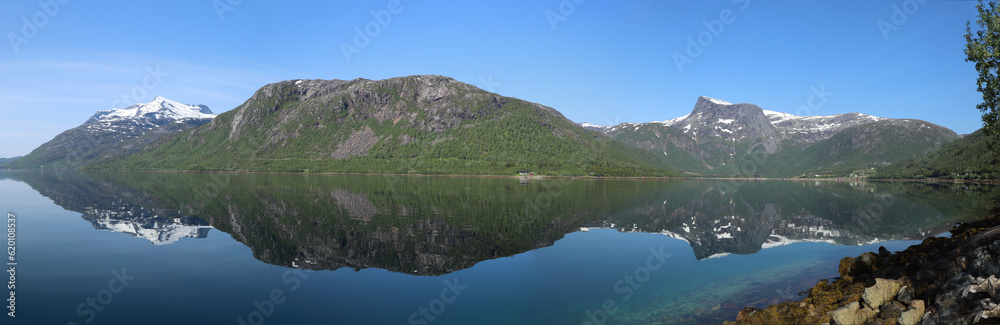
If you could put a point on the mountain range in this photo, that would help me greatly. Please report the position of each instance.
(115, 133)
(437, 125)
(408, 125)
(719, 138)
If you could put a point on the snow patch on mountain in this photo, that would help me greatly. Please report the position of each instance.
(716, 101)
(595, 127)
(673, 121)
(160, 110)
(778, 117)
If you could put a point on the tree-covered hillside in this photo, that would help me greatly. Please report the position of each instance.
(967, 158)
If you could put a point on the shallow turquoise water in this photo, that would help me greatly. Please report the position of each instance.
(418, 251)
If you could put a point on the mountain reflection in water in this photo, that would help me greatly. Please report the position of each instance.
(438, 225)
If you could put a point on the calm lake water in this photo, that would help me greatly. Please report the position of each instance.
(176, 248)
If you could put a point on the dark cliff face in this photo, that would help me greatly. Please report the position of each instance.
(713, 118)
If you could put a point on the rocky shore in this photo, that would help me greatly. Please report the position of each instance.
(939, 281)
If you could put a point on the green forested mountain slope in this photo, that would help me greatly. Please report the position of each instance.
(876, 144)
(967, 158)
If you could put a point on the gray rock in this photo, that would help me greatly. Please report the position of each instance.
(905, 295)
(989, 285)
(984, 262)
(995, 246)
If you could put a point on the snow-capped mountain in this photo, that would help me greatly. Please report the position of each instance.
(140, 117)
(116, 132)
(718, 118)
(728, 120)
(718, 134)
(159, 111)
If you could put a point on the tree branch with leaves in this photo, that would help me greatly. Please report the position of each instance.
(983, 48)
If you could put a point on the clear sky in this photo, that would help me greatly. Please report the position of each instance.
(603, 62)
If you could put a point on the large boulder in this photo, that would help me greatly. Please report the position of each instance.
(880, 293)
(913, 315)
(851, 314)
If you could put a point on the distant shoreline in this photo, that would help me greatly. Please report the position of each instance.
(838, 179)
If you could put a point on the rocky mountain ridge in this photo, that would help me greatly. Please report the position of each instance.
(728, 139)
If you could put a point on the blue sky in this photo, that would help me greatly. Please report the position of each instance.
(603, 62)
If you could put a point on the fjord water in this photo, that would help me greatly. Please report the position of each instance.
(173, 248)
